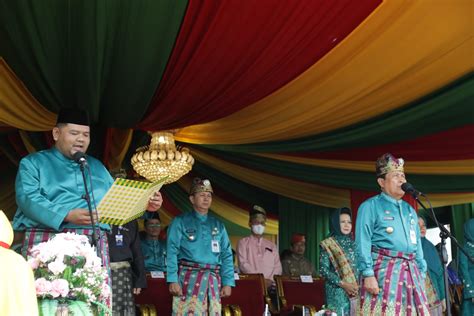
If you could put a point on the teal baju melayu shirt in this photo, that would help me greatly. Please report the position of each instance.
(386, 223)
(49, 185)
(190, 238)
(154, 253)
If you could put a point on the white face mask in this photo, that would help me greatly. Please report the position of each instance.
(258, 229)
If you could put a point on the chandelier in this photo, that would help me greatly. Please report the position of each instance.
(161, 158)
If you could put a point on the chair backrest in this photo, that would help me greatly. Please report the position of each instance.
(249, 294)
(291, 291)
(157, 294)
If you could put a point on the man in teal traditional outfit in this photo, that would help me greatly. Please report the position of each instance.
(153, 247)
(50, 189)
(199, 257)
(389, 251)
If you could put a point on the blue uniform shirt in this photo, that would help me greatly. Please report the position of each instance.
(387, 223)
(190, 238)
(48, 185)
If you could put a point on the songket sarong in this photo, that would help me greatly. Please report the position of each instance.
(401, 286)
(122, 289)
(436, 309)
(201, 284)
(34, 236)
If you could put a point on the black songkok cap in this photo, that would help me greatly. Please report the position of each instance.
(73, 116)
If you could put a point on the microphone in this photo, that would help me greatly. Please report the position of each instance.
(410, 189)
(80, 158)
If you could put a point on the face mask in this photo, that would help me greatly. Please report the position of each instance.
(258, 229)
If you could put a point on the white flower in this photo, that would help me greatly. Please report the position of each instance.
(56, 267)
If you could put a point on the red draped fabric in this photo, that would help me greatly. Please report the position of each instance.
(230, 54)
(169, 206)
(447, 145)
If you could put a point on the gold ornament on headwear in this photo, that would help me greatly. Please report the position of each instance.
(388, 163)
(200, 185)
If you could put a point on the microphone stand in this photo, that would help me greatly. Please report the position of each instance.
(87, 197)
(444, 234)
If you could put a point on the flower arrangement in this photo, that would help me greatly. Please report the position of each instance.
(67, 269)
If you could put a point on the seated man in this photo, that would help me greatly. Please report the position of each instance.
(257, 254)
(295, 264)
(153, 248)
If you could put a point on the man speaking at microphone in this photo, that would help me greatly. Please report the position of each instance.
(50, 187)
(389, 252)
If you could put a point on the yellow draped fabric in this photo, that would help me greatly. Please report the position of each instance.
(119, 143)
(447, 199)
(404, 50)
(18, 108)
(231, 212)
(17, 286)
(27, 142)
(449, 167)
(306, 192)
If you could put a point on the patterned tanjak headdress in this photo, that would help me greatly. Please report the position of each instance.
(257, 211)
(200, 185)
(388, 163)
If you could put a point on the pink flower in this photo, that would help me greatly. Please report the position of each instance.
(34, 263)
(43, 286)
(59, 287)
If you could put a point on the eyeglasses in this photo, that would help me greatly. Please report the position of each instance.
(153, 225)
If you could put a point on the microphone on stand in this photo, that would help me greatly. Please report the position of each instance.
(410, 189)
(80, 158)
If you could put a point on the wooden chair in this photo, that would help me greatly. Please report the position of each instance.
(294, 294)
(249, 296)
(155, 299)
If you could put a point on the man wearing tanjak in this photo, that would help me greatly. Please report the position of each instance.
(200, 268)
(389, 252)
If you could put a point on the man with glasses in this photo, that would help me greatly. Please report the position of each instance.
(153, 248)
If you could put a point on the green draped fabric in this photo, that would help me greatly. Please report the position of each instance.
(72, 53)
(445, 109)
(181, 201)
(460, 214)
(300, 217)
(345, 178)
(243, 191)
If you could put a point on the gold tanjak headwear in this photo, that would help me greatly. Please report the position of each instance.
(388, 163)
(200, 185)
(257, 211)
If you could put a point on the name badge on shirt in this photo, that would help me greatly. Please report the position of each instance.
(215, 246)
(413, 236)
(119, 240)
(157, 274)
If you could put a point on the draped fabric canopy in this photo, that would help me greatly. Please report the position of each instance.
(278, 100)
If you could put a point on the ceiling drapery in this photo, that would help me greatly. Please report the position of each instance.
(292, 99)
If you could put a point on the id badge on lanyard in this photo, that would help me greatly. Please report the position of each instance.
(215, 246)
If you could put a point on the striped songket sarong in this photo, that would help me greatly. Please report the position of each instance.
(401, 286)
(201, 284)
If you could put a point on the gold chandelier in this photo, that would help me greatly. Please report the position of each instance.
(161, 158)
